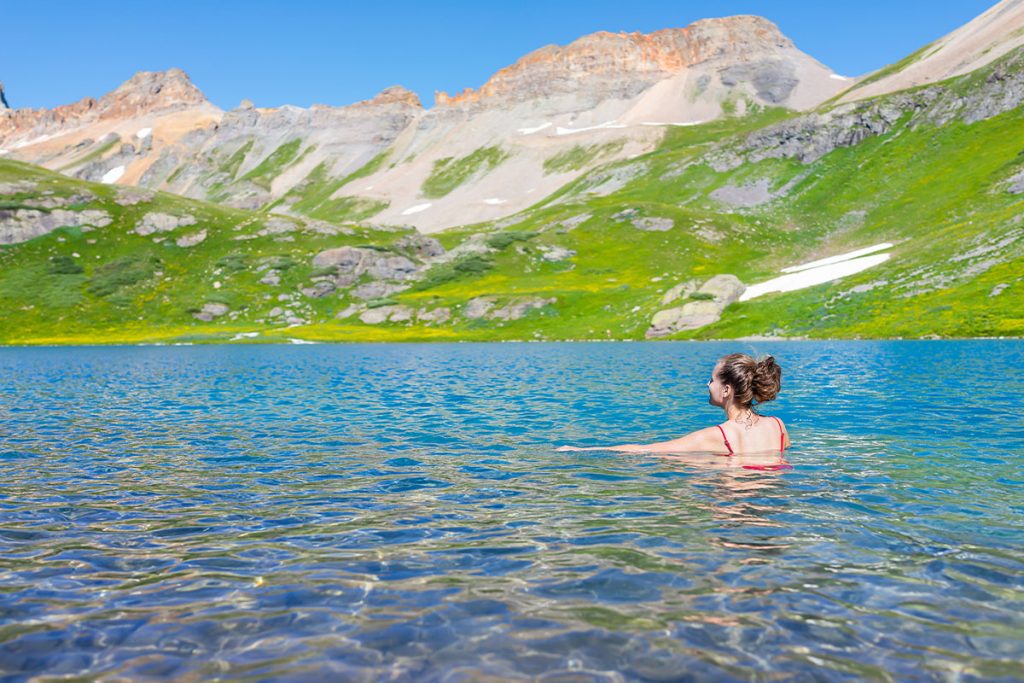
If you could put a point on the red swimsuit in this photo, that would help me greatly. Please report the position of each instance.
(782, 448)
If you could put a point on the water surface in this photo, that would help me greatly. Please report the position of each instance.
(398, 512)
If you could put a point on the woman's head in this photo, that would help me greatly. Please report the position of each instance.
(742, 380)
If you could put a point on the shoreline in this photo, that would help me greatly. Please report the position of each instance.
(338, 342)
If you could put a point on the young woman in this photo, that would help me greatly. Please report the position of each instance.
(737, 382)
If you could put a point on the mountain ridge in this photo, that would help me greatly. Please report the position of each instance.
(610, 92)
(683, 234)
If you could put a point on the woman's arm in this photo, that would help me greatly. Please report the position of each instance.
(702, 440)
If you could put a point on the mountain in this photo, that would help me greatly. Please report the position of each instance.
(898, 215)
(481, 155)
(978, 43)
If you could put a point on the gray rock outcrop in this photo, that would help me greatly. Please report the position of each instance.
(381, 314)
(191, 239)
(20, 225)
(652, 224)
(714, 295)
(1015, 185)
(484, 307)
(810, 137)
(211, 310)
(162, 222)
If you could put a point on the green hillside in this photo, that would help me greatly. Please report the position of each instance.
(591, 262)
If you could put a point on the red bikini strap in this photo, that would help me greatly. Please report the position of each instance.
(782, 434)
(725, 438)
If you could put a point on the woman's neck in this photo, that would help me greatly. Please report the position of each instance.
(735, 413)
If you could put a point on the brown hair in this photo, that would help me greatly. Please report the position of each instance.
(751, 380)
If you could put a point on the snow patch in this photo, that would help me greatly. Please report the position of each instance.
(293, 340)
(494, 201)
(600, 126)
(4, 152)
(671, 123)
(416, 209)
(837, 77)
(839, 259)
(536, 129)
(144, 133)
(26, 143)
(113, 175)
(814, 276)
(245, 335)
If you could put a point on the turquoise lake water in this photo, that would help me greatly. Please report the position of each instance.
(399, 512)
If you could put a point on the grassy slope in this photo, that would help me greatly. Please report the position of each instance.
(934, 192)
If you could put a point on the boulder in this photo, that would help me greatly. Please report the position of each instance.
(162, 222)
(376, 289)
(347, 312)
(478, 307)
(1016, 184)
(319, 289)
(517, 309)
(17, 187)
(653, 224)
(375, 316)
(277, 226)
(19, 225)
(438, 315)
(211, 310)
(555, 253)
(390, 267)
(722, 290)
(420, 246)
(680, 291)
(191, 240)
(345, 259)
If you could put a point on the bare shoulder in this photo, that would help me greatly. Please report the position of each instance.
(785, 430)
(709, 439)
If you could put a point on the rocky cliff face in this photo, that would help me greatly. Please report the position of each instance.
(147, 92)
(604, 97)
(999, 89)
(624, 64)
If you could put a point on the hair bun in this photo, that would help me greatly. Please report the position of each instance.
(767, 380)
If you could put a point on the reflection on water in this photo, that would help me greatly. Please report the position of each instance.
(399, 512)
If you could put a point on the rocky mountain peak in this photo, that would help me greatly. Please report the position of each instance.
(627, 62)
(149, 91)
(396, 94)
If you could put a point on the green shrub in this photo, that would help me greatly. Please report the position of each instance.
(65, 265)
(702, 296)
(500, 240)
(123, 272)
(232, 263)
(472, 264)
(282, 262)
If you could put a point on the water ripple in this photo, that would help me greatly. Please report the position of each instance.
(399, 512)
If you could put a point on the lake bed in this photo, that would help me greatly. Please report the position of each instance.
(399, 512)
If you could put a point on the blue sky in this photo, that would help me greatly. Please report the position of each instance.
(315, 51)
